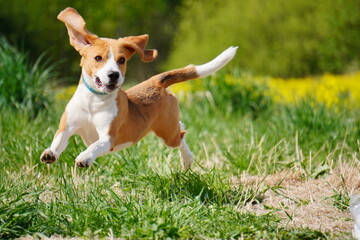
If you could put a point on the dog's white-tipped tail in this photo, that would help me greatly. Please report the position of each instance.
(217, 63)
(191, 72)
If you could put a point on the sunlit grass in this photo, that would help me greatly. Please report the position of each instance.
(141, 191)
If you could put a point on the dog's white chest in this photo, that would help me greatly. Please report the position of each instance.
(92, 103)
(92, 114)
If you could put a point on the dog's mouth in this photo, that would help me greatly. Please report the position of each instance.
(111, 87)
(105, 87)
(98, 82)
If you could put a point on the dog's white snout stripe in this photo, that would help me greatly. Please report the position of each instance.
(106, 73)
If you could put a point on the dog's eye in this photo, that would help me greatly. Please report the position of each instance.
(98, 58)
(121, 60)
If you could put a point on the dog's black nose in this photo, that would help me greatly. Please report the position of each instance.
(113, 76)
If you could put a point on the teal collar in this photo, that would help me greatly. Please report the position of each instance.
(90, 88)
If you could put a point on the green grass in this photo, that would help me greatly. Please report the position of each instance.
(141, 192)
(23, 85)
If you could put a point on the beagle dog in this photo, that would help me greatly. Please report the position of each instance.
(108, 118)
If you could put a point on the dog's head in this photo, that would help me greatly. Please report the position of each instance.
(103, 60)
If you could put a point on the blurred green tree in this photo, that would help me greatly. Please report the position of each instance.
(275, 37)
(33, 26)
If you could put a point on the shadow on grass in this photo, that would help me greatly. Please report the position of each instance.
(208, 188)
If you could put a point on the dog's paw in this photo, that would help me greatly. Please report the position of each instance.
(48, 156)
(83, 160)
(83, 164)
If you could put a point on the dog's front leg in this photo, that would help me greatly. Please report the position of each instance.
(98, 148)
(59, 142)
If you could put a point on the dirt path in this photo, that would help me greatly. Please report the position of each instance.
(319, 204)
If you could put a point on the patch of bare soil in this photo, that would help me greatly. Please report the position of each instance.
(318, 204)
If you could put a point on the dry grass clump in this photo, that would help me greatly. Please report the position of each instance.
(319, 204)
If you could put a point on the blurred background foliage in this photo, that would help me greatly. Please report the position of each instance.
(280, 38)
(32, 26)
(275, 37)
(24, 85)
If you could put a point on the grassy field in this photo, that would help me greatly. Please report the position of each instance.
(264, 170)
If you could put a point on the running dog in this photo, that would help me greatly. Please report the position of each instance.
(108, 118)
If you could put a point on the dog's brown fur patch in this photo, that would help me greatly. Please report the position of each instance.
(149, 106)
(178, 75)
(62, 124)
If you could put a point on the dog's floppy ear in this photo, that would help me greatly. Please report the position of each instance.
(137, 44)
(75, 24)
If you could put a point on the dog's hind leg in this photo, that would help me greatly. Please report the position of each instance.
(177, 140)
(171, 131)
(186, 155)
